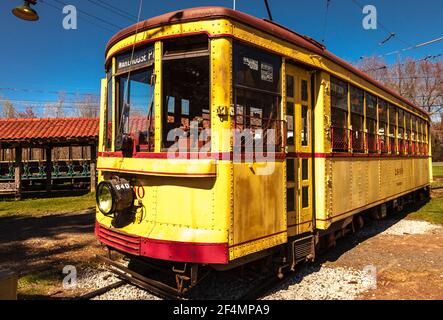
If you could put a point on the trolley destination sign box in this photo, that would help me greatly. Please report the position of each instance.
(140, 58)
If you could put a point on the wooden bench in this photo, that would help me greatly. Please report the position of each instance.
(8, 188)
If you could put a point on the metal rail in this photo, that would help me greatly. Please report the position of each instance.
(155, 287)
(98, 292)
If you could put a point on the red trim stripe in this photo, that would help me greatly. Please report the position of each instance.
(216, 253)
(277, 156)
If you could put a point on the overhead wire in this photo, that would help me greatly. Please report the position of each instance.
(80, 17)
(92, 16)
(325, 23)
(118, 9)
(117, 12)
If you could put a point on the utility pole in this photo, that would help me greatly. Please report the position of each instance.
(234, 5)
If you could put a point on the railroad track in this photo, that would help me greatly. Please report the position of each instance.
(100, 291)
(129, 276)
(164, 291)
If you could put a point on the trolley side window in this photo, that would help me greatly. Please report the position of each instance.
(401, 130)
(257, 99)
(392, 128)
(371, 122)
(339, 115)
(186, 111)
(408, 135)
(383, 125)
(357, 118)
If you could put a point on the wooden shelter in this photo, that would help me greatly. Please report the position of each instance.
(41, 153)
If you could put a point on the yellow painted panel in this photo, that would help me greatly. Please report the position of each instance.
(256, 246)
(258, 203)
(359, 183)
(178, 209)
(159, 167)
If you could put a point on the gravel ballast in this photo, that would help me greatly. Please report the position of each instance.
(326, 283)
(404, 227)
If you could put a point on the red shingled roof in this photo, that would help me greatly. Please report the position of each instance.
(64, 128)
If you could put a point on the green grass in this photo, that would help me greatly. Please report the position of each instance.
(431, 212)
(437, 171)
(39, 283)
(45, 206)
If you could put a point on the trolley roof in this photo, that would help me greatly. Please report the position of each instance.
(207, 13)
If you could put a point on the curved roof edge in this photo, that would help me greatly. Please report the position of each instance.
(202, 13)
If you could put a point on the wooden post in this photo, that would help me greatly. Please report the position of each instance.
(92, 167)
(18, 172)
(48, 169)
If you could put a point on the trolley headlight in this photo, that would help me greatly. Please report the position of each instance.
(114, 195)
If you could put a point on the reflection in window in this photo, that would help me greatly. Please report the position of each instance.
(304, 90)
(185, 101)
(108, 121)
(290, 170)
(339, 114)
(305, 197)
(256, 110)
(135, 114)
(408, 145)
(290, 199)
(401, 130)
(392, 128)
(289, 86)
(383, 125)
(357, 118)
(371, 122)
(304, 169)
(257, 97)
(305, 127)
(290, 121)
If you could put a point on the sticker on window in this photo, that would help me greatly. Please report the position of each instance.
(267, 72)
(251, 63)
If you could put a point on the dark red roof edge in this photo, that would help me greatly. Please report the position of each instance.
(202, 13)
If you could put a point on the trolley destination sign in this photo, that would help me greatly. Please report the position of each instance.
(140, 58)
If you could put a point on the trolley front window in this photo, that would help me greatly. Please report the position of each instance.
(135, 110)
(108, 120)
(185, 102)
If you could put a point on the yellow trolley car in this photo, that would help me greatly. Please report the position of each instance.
(343, 144)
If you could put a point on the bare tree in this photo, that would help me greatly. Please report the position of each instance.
(55, 109)
(28, 113)
(8, 110)
(420, 81)
(87, 105)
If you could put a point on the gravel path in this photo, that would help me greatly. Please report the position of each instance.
(126, 292)
(323, 283)
(93, 279)
(404, 227)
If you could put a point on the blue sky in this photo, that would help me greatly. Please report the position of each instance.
(43, 58)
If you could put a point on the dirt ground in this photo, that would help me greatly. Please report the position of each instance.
(38, 248)
(409, 266)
